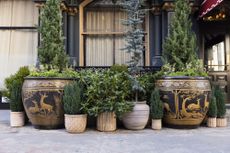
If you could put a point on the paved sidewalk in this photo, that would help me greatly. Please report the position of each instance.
(30, 140)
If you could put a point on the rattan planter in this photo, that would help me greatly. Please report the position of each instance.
(106, 122)
(17, 119)
(75, 123)
(138, 118)
(211, 122)
(156, 124)
(221, 122)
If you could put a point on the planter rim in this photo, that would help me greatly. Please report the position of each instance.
(71, 115)
(185, 77)
(137, 102)
(48, 78)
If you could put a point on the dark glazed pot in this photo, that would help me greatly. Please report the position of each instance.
(42, 100)
(186, 100)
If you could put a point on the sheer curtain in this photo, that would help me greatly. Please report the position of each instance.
(17, 47)
(104, 38)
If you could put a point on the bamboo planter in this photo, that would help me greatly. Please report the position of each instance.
(17, 119)
(211, 122)
(75, 123)
(221, 122)
(106, 122)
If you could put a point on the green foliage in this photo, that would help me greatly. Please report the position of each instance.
(156, 105)
(106, 91)
(72, 99)
(16, 104)
(221, 108)
(179, 48)
(51, 51)
(188, 71)
(134, 39)
(119, 68)
(67, 73)
(212, 111)
(14, 88)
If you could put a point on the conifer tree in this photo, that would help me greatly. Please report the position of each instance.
(51, 51)
(180, 46)
(134, 39)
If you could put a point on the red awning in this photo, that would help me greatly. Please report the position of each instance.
(208, 5)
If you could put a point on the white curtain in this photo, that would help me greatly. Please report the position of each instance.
(17, 47)
(105, 49)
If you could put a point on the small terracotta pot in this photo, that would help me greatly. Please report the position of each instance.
(211, 122)
(156, 124)
(17, 119)
(106, 122)
(75, 123)
(221, 122)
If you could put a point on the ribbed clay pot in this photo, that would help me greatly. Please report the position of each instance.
(138, 118)
(211, 122)
(185, 99)
(75, 123)
(156, 124)
(106, 122)
(221, 122)
(17, 119)
(42, 100)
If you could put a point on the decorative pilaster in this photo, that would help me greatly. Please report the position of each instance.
(157, 36)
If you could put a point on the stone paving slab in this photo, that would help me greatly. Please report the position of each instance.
(30, 140)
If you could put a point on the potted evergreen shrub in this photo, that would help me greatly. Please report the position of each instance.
(75, 119)
(138, 118)
(43, 89)
(184, 87)
(13, 93)
(156, 110)
(212, 112)
(106, 98)
(221, 120)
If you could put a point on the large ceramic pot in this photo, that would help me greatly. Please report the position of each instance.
(42, 100)
(186, 100)
(138, 118)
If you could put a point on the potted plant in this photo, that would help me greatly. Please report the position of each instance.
(184, 87)
(106, 98)
(212, 112)
(221, 120)
(156, 110)
(75, 119)
(14, 89)
(43, 89)
(138, 118)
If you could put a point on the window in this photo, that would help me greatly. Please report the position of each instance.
(216, 57)
(104, 35)
(18, 39)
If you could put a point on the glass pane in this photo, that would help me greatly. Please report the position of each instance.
(216, 57)
(99, 50)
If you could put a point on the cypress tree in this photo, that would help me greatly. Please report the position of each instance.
(180, 46)
(156, 105)
(51, 52)
(221, 108)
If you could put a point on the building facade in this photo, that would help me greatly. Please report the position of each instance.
(95, 35)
